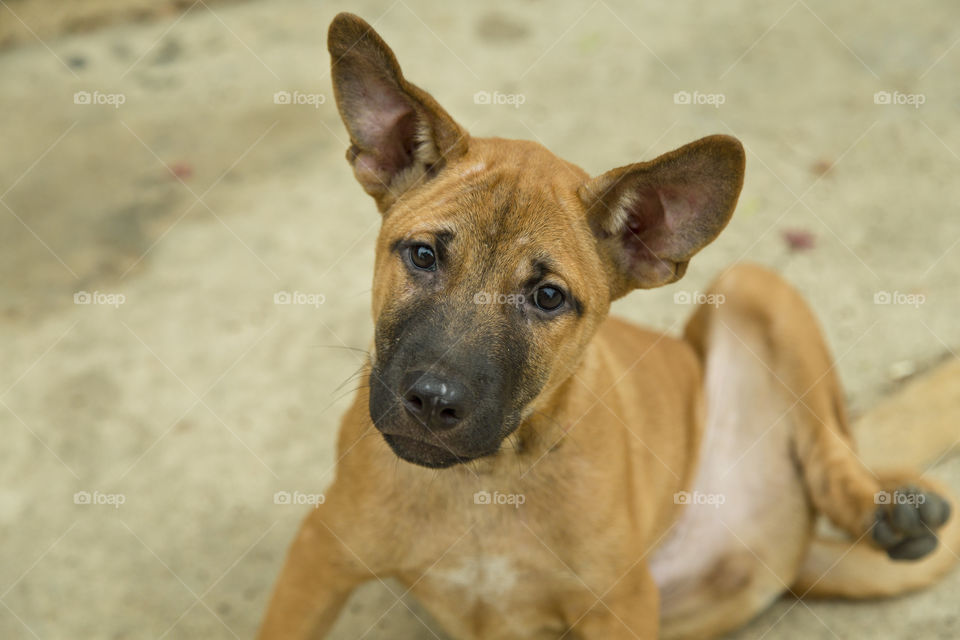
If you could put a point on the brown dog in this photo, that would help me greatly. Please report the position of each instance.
(564, 473)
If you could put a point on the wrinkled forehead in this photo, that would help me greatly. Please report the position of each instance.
(495, 208)
(499, 217)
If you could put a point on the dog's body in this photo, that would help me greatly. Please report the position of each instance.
(597, 479)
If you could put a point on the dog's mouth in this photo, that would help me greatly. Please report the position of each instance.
(421, 453)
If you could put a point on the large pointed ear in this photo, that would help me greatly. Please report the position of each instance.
(651, 217)
(399, 135)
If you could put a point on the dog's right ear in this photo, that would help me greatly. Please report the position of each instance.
(399, 135)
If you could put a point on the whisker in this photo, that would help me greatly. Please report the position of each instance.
(343, 395)
(340, 346)
(362, 370)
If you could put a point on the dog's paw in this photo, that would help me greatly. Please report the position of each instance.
(906, 522)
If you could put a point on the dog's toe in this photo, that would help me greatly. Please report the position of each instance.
(906, 519)
(913, 548)
(935, 511)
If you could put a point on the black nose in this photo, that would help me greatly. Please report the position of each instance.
(438, 403)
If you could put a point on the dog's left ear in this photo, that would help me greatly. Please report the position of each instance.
(399, 135)
(652, 217)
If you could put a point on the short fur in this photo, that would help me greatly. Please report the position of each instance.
(593, 429)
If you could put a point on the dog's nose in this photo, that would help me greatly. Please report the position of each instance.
(437, 403)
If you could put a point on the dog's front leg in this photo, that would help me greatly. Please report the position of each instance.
(629, 608)
(317, 578)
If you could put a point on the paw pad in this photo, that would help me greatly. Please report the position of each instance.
(906, 520)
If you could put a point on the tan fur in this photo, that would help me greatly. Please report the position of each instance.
(614, 432)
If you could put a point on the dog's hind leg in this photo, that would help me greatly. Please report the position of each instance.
(739, 543)
(778, 449)
(836, 569)
(895, 512)
(928, 410)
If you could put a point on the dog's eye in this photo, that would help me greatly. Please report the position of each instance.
(548, 298)
(423, 257)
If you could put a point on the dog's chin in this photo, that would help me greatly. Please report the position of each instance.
(425, 455)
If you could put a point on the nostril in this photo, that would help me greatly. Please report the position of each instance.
(414, 402)
(449, 416)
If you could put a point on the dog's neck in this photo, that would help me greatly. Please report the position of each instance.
(546, 424)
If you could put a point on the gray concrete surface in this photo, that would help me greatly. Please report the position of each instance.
(199, 198)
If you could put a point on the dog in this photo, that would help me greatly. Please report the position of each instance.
(530, 467)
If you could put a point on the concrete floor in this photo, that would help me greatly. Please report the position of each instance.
(200, 198)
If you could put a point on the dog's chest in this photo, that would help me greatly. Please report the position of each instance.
(498, 592)
(483, 578)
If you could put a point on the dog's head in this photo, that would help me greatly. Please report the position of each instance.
(496, 260)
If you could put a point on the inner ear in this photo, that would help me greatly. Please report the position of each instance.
(389, 136)
(399, 135)
(659, 227)
(652, 217)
